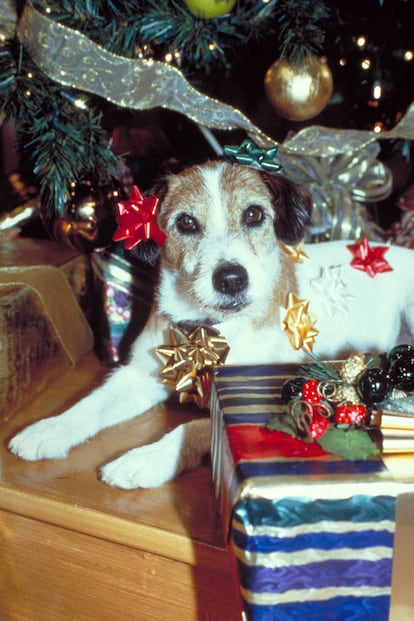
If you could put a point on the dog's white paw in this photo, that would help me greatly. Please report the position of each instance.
(46, 439)
(146, 466)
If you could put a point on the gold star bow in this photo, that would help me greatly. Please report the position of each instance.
(189, 361)
(299, 324)
(295, 253)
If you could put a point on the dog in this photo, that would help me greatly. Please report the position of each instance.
(224, 264)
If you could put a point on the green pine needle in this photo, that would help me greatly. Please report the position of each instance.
(319, 370)
(301, 28)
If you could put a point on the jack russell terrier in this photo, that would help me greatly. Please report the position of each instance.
(224, 264)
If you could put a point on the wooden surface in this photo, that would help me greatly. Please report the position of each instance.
(23, 251)
(74, 548)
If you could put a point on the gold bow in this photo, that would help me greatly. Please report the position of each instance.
(189, 360)
(299, 324)
(296, 253)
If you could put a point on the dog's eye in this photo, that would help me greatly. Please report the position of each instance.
(187, 223)
(253, 215)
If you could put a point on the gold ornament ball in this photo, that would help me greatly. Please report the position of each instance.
(89, 219)
(299, 91)
(208, 9)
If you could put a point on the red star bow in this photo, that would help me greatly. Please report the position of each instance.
(369, 260)
(137, 220)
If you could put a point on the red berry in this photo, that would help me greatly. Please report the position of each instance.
(310, 392)
(351, 414)
(318, 426)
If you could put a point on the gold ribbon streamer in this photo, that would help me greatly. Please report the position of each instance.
(71, 59)
(404, 129)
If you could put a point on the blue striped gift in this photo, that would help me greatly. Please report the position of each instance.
(311, 535)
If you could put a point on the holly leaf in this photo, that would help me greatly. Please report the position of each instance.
(352, 444)
(282, 423)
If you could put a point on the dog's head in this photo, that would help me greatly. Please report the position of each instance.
(224, 223)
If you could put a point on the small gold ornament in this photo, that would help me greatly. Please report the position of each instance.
(348, 371)
(208, 9)
(352, 367)
(89, 219)
(346, 394)
(299, 91)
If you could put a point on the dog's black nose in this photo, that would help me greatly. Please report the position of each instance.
(230, 278)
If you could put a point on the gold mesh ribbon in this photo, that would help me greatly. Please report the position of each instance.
(340, 169)
(70, 58)
(404, 130)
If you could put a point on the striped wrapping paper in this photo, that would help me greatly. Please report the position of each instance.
(311, 535)
(124, 291)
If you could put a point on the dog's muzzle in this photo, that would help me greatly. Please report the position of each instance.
(231, 280)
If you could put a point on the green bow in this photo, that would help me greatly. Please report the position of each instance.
(248, 153)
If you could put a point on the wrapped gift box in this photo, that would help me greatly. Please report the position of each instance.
(43, 332)
(311, 535)
(44, 297)
(124, 291)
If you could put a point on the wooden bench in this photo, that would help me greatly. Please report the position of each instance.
(72, 548)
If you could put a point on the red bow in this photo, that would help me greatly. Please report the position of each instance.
(137, 220)
(369, 260)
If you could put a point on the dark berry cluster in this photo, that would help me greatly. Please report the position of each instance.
(394, 371)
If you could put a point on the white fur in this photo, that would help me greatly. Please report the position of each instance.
(374, 315)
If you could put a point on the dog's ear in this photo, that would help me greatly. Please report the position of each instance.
(292, 205)
(146, 251)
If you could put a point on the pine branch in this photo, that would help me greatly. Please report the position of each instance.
(7, 78)
(319, 370)
(66, 143)
(167, 26)
(66, 150)
(301, 28)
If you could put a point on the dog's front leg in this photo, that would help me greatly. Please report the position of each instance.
(180, 450)
(128, 392)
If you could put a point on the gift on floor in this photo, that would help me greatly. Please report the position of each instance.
(311, 535)
(43, 331)
(45, 305)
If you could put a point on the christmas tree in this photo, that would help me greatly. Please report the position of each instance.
(73, 72)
